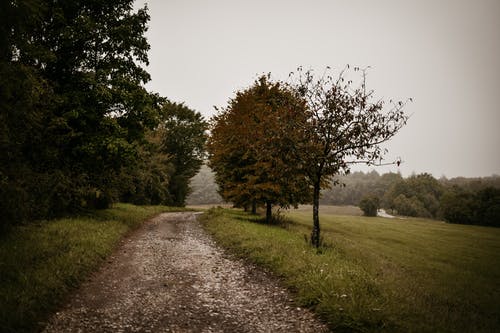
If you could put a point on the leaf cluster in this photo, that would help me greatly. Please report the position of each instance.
(417, 195)
(252, 146)
(347, 125)
(183, 137)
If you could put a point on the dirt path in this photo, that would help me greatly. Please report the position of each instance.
(171, 277)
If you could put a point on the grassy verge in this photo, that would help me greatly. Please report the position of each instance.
(40, 263)
(377, 274)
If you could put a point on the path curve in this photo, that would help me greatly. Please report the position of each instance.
(170, 276)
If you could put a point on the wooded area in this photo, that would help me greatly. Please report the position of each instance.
(78, 129)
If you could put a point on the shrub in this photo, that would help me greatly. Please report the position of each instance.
(369, 205)
(458, 207)
(488, 207)
(410, 206)
(416, 196)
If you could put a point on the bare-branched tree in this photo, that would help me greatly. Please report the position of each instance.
(346, 125)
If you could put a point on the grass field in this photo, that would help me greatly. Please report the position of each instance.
(40, 263)
(378, 274)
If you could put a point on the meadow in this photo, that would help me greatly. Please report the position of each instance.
(376, 274)
(42, 262)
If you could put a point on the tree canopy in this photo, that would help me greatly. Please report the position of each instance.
(183, 139)
(252, 147)
(76, 122)
(418, 195)
(369, 205)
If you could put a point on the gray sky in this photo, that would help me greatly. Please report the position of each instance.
(443, 54)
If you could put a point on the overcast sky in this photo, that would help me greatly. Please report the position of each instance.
(443, 54)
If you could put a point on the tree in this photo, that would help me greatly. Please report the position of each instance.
(410, 206)
(418, 195)
(345, 126)
(461, 206)
(183, 138)
(369, 205)
(252, 147)
(488, 207)
(25, 98)
(102, 107)
(357, 184)
(458, 206)
(73, 103)
(145, 182)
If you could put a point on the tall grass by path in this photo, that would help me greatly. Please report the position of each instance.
(378, 274)
(41, 263)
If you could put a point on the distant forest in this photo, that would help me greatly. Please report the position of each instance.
(457, 200)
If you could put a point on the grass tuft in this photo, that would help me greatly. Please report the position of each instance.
(377, 274)
(41, 263)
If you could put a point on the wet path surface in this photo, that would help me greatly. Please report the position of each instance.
(170, 276)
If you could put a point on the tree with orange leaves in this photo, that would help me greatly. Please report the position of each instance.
(253, 147)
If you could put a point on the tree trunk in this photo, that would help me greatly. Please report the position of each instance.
(254, 207)
(269, 212)
(315, 234)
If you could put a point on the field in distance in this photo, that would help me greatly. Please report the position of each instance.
(377, 274)
(324, 209)
(329, 210)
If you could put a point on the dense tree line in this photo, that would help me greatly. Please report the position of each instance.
(78, 129)
(461, 206)
(457, 200)
(354, 186)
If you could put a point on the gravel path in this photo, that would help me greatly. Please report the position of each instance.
(170, 276)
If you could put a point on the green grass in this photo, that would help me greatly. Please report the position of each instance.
(41, 263)
(378, 274)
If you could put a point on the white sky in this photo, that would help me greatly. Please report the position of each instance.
(443, 54)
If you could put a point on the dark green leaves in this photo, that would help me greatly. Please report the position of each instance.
(182, 135)
(73, 109)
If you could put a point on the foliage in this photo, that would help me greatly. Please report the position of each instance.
(380, 274)
(182, 135)
(252, 147)
(77, 126)
(471, 184)
(345, 126)
(458, 200)
(356, 185)
(369, 205)
(256, 141)
(464, 207)
(146, 181)
(488, 208)
(167, 158)
(458, 207)
(72, 104)
(417, 195)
